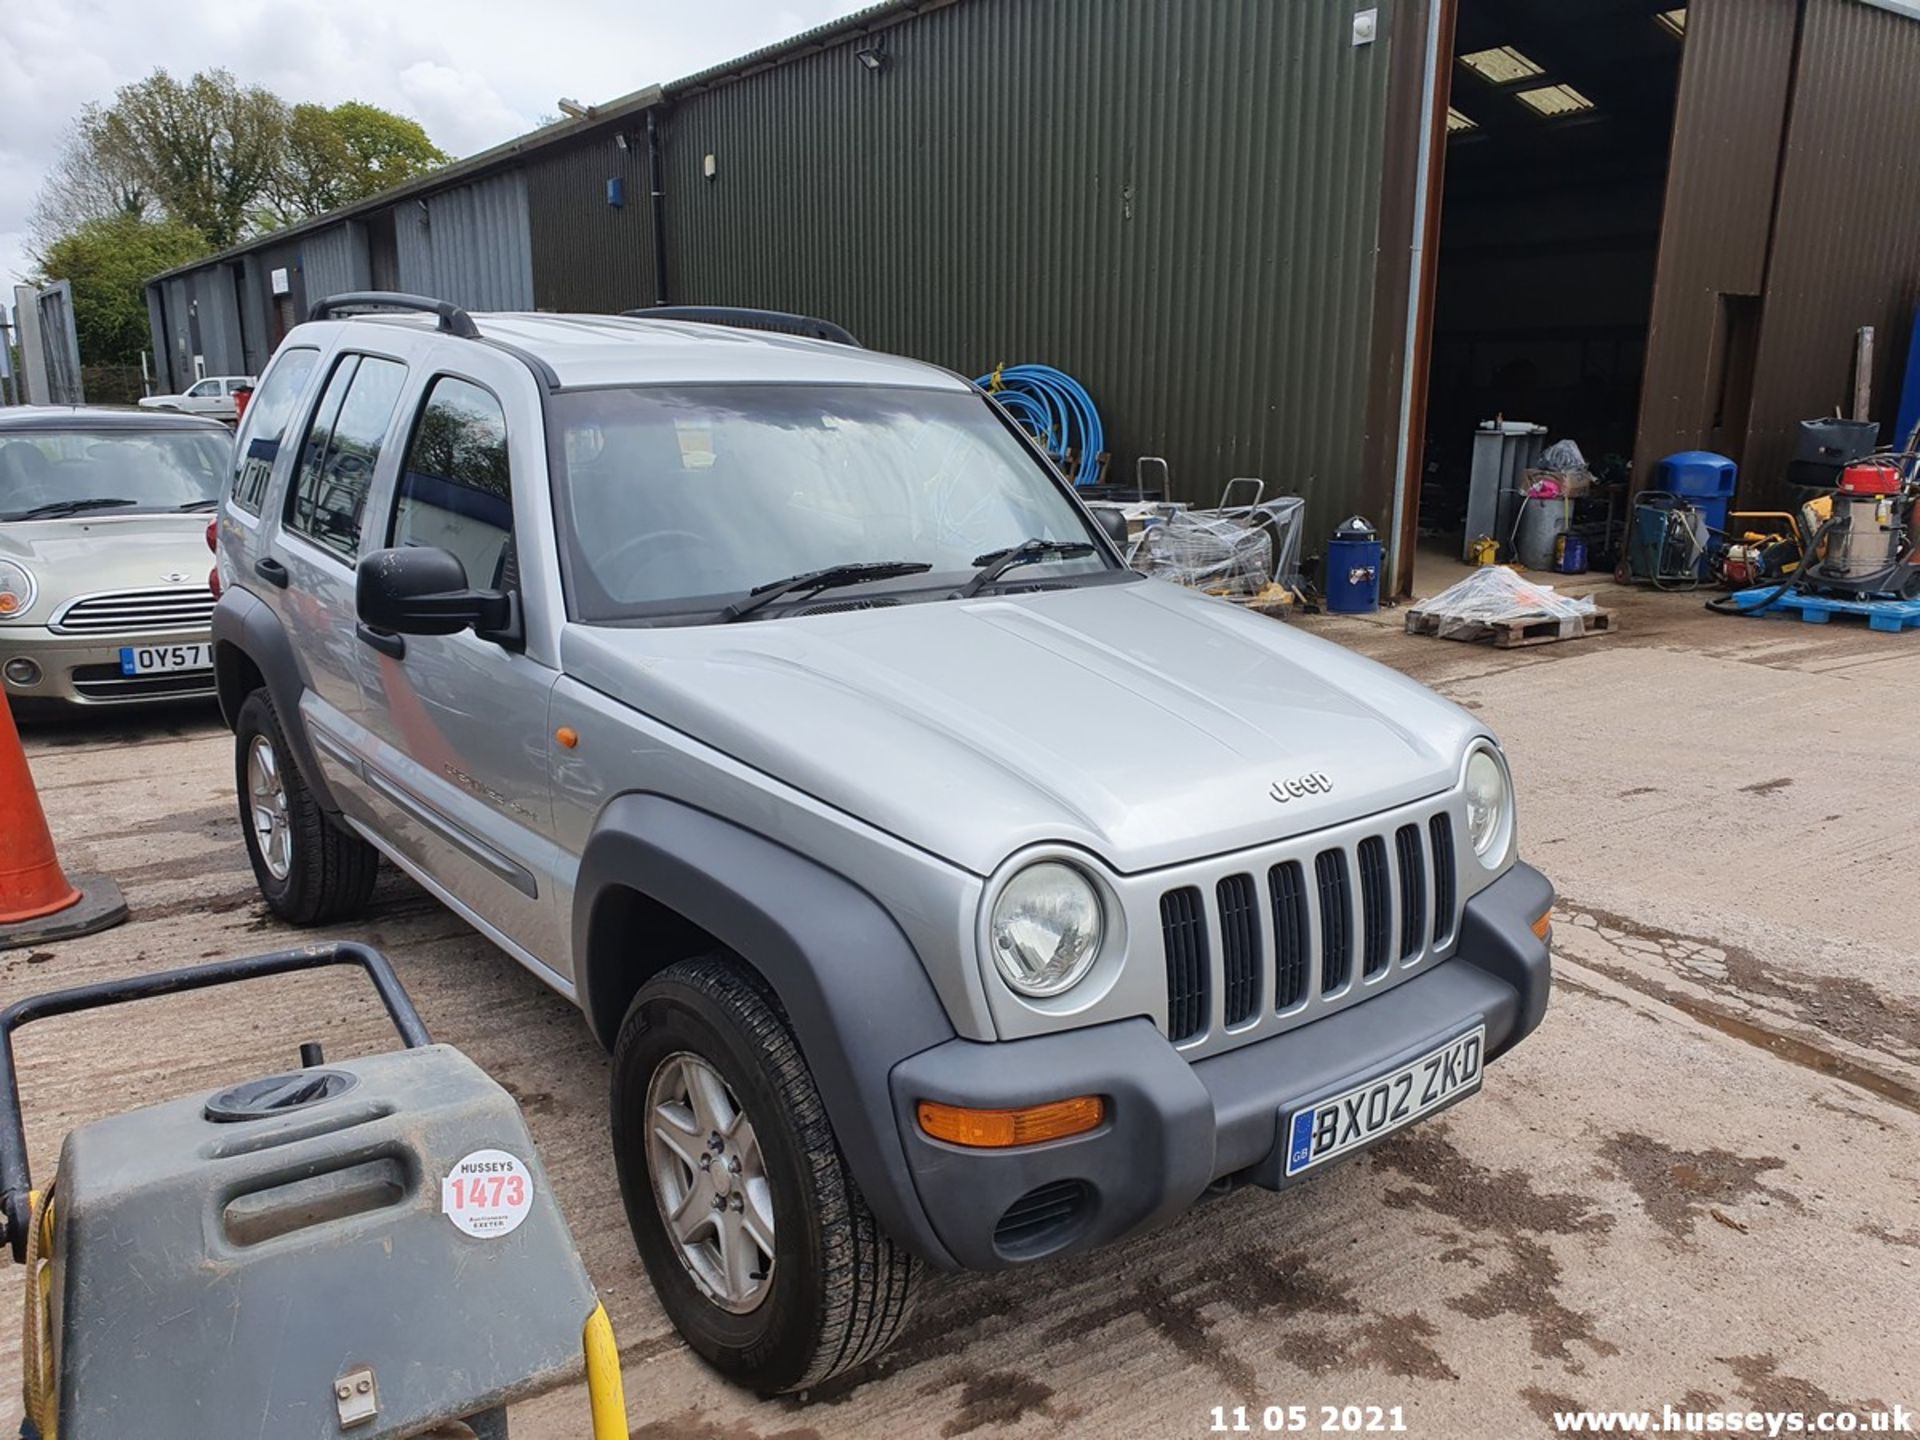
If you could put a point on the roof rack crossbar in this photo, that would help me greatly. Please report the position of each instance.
(740, 318)
(453, 320)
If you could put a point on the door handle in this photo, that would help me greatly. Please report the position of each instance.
(271, 571)
(385, 641)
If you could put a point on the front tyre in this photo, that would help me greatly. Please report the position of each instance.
(758, 1242)
(308, 869)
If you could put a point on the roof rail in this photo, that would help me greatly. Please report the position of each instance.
(453, 320)
(778, 321)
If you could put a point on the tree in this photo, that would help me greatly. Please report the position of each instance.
(335, 157)
(108, 261)
(207, 149)
(90, 180)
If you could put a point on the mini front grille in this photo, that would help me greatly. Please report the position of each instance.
(1413, 890)
(1444, 884)
(1345, 913)
(184, 607)
(1183, 929)
(1336, 919)
(107, 683)
(1292, 936)
(1240, 946)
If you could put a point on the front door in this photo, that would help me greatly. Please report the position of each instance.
(457, 725)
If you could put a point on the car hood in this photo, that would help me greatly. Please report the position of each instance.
(85, 554)
(1140, 721)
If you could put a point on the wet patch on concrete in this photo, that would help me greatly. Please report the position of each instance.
(698, 1425)
(991, 1397)
(1843, 1006)
(1399, 1345)
(1767, 787)
(1527, 1289)
(1762, 1384)
(1792, 1048)
(1253, 1282)
(1178, 1319)
(1678, 1187)
(1504, 1201)
(1545, 1404)
(1315, 1351)
(1902, 1239)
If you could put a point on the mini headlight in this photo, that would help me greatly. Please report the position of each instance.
(1489, 806)
(1046, 929)
(16, 590)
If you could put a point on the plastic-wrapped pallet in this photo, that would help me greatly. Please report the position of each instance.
(1209, 552)
(1495, 593)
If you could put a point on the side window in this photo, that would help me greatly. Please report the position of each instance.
(342, 448)
(260, 433)
(205, 388)
(454, 488)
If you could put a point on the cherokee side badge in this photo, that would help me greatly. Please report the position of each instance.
(1311, 783)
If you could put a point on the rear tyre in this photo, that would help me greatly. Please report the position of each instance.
(308, 869)
(760, 1246)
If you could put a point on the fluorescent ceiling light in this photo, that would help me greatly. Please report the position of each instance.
(1674, 20)
(1554, 100)
(1458, 124)
(1502, 65)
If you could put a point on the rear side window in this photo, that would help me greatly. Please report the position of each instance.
(342, 448)
(266, 422)
(455, 489)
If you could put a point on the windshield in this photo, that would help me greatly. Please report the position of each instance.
(71, 469)
(683, 499)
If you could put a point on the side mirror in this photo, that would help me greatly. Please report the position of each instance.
(422, 590)
(1113, 521)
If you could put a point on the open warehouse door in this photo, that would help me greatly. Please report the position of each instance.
(1559, 127)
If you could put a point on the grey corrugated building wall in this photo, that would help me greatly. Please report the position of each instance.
(469, 245)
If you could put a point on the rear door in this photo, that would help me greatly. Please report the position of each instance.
(457, 741)
(310, 555)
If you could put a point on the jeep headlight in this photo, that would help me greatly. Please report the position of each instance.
(1046, 929)
(1489, 807)
(16, 590)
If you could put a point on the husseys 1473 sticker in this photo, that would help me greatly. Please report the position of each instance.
(487, 1194)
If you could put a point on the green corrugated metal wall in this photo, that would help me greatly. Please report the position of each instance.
(1176, 200)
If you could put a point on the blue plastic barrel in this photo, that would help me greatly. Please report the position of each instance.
(1705, 480)
(1353, 568)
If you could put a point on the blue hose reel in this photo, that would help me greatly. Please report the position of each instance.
(1056, 410)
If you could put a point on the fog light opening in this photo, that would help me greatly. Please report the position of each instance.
(22, 671)
(1002, 1129)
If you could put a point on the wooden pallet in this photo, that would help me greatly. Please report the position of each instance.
(1889, 615)
(1511, 634)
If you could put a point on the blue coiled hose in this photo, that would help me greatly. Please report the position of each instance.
(1056, 410)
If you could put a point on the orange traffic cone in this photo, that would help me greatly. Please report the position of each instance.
(37, 902)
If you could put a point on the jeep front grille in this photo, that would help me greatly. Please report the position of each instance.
(1183, 926)
(180, 607)
(1273, 939)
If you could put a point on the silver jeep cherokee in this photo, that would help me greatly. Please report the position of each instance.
(944, 891)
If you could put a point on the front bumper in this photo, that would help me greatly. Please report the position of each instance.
(85, 669)
(1174, 1127)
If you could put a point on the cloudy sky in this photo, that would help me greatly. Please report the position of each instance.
(474, 72)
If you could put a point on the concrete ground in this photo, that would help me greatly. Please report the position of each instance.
(1698, 1184)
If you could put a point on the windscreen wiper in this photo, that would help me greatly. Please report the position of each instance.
(54, 509)
(830, 578)
(996, 563)
(194, 505)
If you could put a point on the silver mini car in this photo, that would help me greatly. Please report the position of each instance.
(104, 563)
(946, 892)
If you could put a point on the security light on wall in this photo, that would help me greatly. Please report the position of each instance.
(873, 57)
